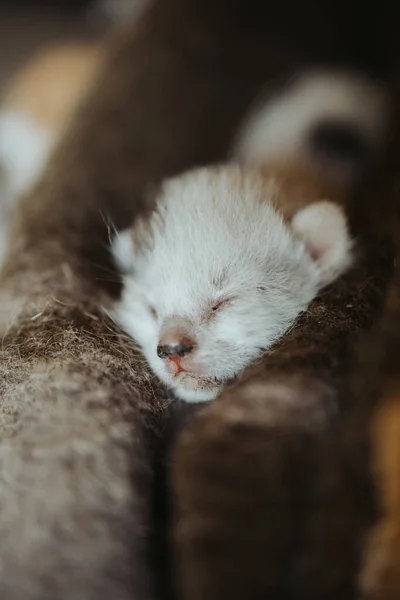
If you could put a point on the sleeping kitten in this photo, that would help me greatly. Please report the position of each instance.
(232, 255)
(219, 273)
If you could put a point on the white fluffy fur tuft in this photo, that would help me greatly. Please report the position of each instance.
(220, 259)
(280, 127)
(24, 150)
(123, 249)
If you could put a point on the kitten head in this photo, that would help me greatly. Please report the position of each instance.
(217, 275)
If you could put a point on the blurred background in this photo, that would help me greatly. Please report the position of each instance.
(27, 25)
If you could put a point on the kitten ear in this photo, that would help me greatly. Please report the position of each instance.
(323, 228)
(129, 245)
(123, 250)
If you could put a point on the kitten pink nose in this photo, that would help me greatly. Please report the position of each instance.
(175, 342)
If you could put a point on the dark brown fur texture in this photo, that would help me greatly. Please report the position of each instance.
(351, 541)
(81, 417)
(380, 565)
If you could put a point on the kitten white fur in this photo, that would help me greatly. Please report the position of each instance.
(218, 263)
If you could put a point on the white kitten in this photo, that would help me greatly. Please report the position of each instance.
(217, 275)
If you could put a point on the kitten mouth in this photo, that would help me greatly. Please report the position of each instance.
(191, 381)
(197, 382)
(194, 381)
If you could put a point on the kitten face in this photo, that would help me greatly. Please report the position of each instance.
(213, 280)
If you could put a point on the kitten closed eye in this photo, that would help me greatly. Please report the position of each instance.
(153, 312)
(221, 303)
